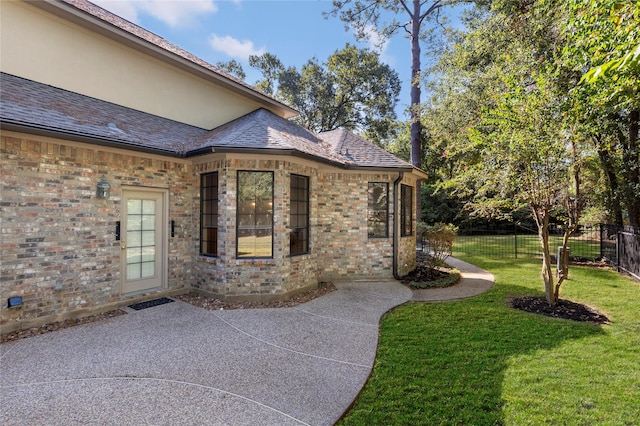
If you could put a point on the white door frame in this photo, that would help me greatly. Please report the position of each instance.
(158, 279)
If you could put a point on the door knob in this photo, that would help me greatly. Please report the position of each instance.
(123, 244)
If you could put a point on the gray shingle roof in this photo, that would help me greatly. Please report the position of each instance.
(263, 130)
(30, 106)
(360, 151)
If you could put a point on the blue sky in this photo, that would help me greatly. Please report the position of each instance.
(293, 30)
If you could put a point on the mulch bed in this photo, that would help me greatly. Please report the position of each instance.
(47, 328)
(216, 305)
(564, 309)
(425, 274)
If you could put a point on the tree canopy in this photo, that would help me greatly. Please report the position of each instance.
(352, 90)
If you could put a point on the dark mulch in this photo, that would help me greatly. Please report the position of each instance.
(213, 304)
(46, 328)
(564, 309)
(425, 274)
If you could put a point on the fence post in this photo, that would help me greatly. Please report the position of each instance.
(618, 250)
(515, 239)
(601, 245)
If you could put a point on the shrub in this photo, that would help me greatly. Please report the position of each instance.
(439, 238)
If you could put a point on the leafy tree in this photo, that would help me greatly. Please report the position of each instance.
(603, 38)
(232, 67)
(352, 90)
(499, 112)
(271, 69)
(405, 16)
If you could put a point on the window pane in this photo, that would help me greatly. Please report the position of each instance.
(209, 214)
(255, 214)
(299, 215)
(406, 211)
(378, 210)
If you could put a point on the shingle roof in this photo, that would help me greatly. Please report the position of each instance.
(25, 104)
(263, 130)
(360, 151)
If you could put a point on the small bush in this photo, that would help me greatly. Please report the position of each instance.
(439, 238)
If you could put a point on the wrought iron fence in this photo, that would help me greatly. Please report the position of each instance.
(616, 245)
(621, 248)
(514, 241)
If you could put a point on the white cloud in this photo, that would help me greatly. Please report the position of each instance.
(175, 13)
(233, 47)
(378, 44)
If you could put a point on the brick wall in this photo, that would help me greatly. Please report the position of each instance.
(345, 251)
(232, 278)
(58, 247)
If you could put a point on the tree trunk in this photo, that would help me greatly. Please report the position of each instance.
(632, 164)
(606, 163)
(416, 127)
(542, 220)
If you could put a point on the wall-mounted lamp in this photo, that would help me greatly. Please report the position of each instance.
(103, 189)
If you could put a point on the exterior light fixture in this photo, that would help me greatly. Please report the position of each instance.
(103, 189)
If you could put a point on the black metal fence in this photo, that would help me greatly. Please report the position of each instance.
(621, 248)
(616, 245)
(514, 241)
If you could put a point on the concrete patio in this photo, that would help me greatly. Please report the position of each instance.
(176, 364)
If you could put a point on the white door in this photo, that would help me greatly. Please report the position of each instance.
(143, 240)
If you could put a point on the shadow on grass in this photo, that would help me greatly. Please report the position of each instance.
(445, 363)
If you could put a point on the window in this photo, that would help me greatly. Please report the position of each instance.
(406, 211)
(255, 214)
(378, 210)
(299, 215)
(209, 214)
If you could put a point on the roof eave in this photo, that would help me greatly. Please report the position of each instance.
(39, 130)
(86, 20)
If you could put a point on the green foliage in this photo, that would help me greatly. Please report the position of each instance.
(479, 362)
(440, 238)
(232, 67)
(611, 69)
(603, 37)
(352, 90)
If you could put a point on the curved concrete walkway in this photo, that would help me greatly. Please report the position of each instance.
(176, 364)
(473, 281)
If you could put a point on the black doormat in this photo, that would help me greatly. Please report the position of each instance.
(150, 303)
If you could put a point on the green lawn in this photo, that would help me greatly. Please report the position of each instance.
(523, 245)
(479, 362)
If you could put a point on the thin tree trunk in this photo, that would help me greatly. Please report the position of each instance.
(608, 168)
(542, 220)
(632, 160)
(416, 127)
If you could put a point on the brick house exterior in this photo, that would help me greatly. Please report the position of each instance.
(239, 203)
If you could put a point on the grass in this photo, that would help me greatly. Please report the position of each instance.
(522, 245)
(479, 362)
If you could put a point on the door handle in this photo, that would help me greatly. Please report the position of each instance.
(123, 244)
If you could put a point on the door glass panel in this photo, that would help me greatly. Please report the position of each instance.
(148, 238)
(133, 271)
(148, 269)
(134, 206)
(141, 238)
